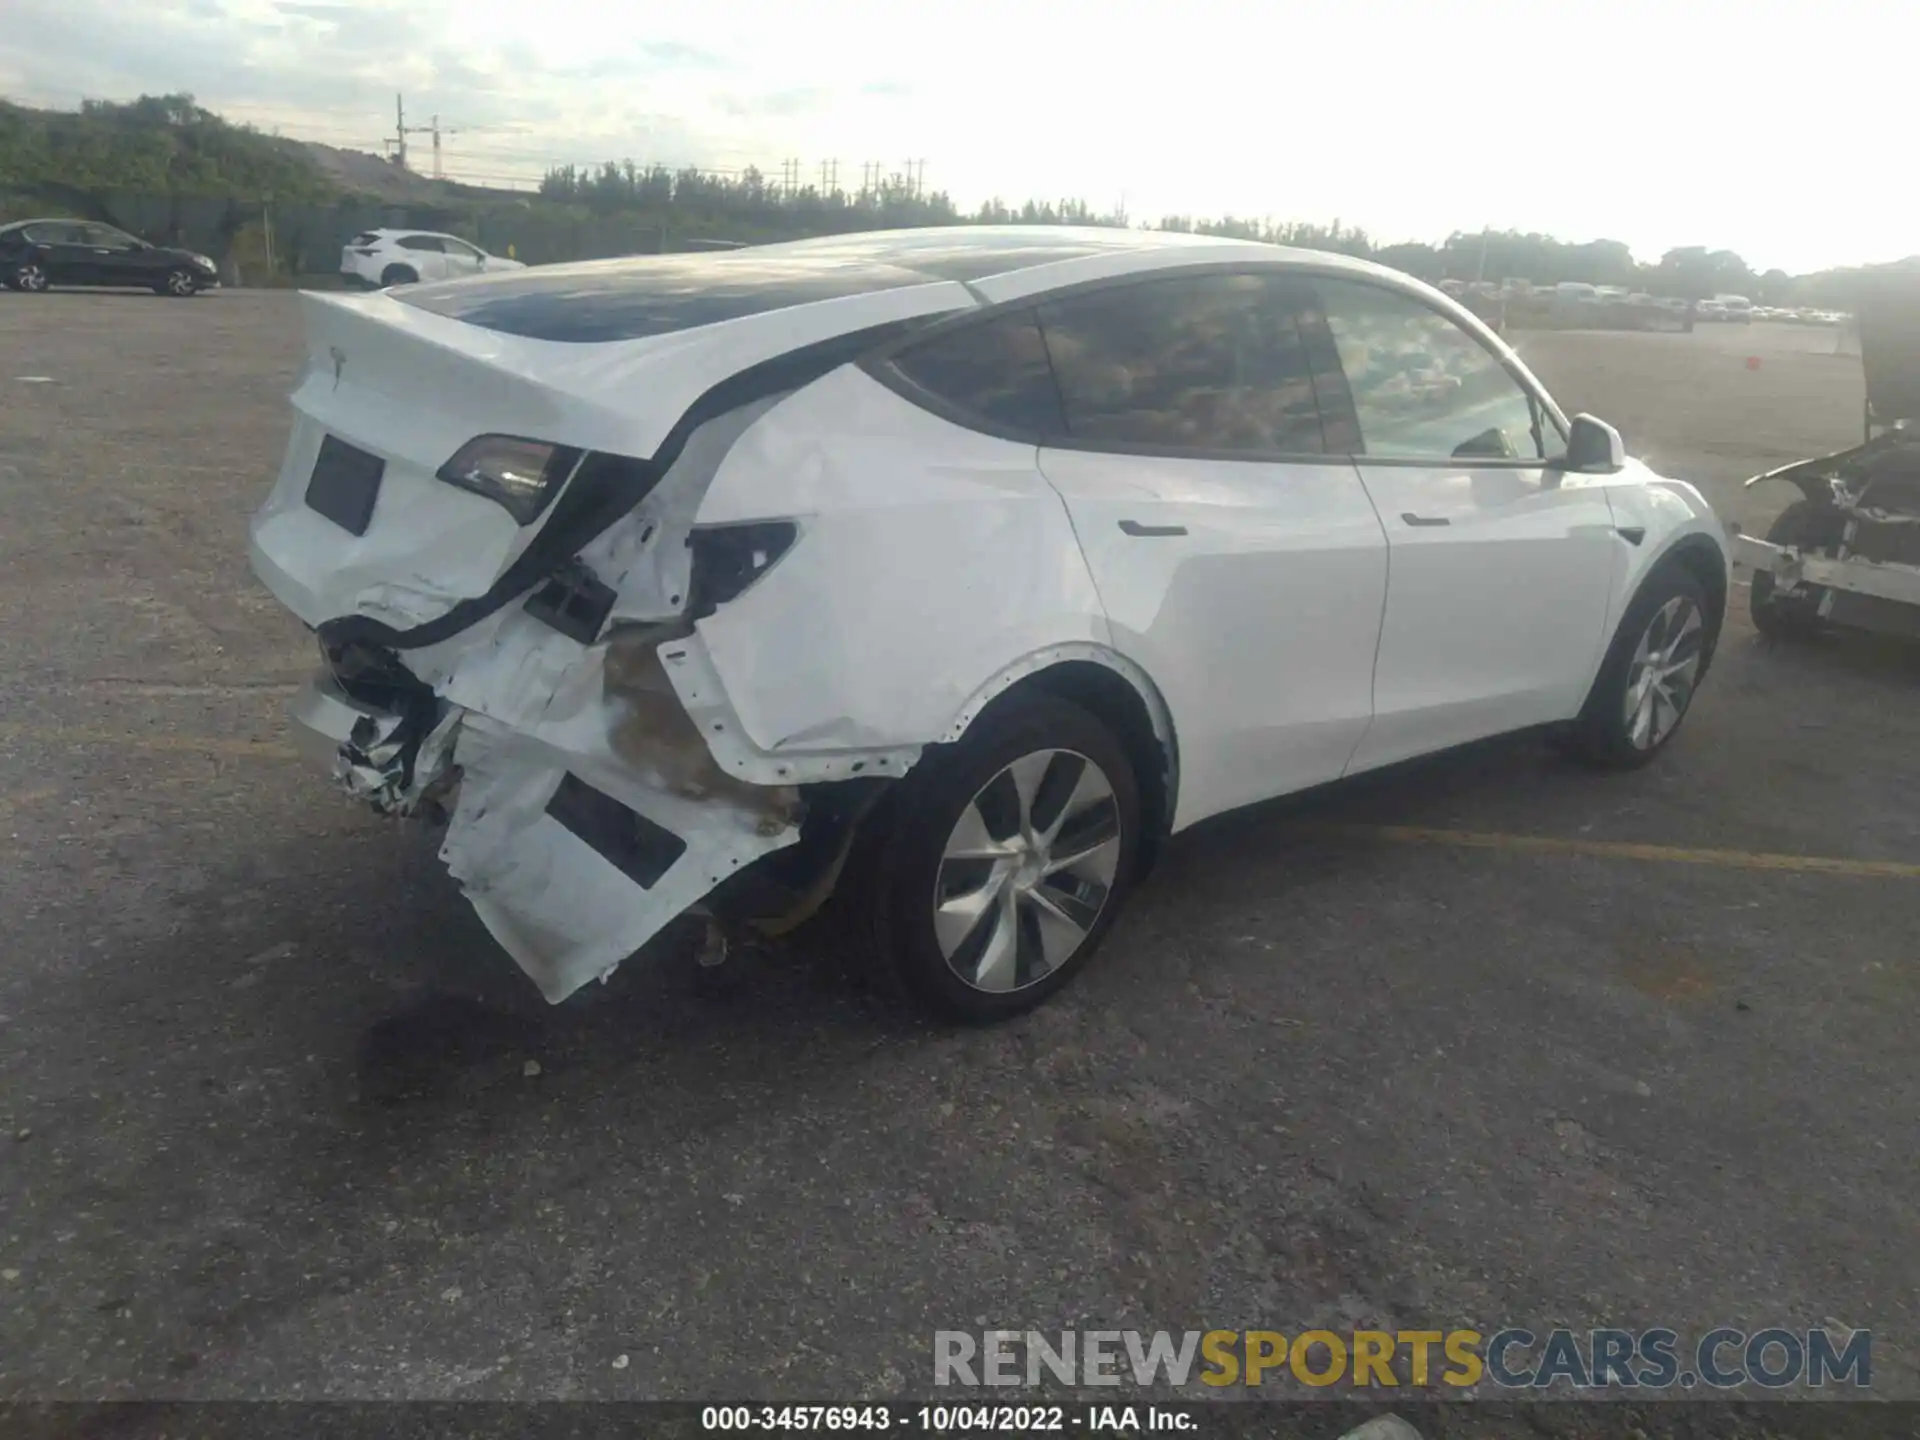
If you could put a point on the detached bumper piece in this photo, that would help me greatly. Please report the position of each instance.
(587, 811)
(573, 864)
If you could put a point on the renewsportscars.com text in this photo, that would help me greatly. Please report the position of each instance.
(1512, 1358)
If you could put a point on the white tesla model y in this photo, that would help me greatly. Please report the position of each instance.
(952, 568)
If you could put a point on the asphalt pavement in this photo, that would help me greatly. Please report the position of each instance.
(1488, 1041)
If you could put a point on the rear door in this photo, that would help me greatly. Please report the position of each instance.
(425, 254)
(1500, 566)
(1239, 563)
(64, 253)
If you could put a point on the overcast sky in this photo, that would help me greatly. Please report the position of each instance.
(1777, 129)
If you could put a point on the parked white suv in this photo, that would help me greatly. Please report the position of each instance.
(402, 257)
(958, 567)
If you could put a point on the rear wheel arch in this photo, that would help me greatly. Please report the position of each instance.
(1114, 691)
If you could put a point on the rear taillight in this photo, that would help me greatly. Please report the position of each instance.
(520, 475)
(729, 559)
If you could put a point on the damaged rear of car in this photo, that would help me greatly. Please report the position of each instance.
(594, 558)
(1847, 553)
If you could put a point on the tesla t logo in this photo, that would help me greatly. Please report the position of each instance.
(339, 363)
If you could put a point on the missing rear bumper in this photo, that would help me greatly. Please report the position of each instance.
(587, 808)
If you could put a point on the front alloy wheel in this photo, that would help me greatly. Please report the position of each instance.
(182, 283)
(1027, 871)
(1666, 663)
(30, 278)
(1651, 672)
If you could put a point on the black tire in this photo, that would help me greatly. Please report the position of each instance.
(28, 278)
(907, 864)
(1604, 736)
(182, 284)
(398, 275)
(1796, 616)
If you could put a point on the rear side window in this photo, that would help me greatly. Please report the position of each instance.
(1210, 364)
(995, 372)
(365, 237)
(1425, 389)
(421, 242)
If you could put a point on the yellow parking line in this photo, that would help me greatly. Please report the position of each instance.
(1622, 850)
(1401, 834)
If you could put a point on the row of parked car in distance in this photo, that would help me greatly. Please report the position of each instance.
(38, 255)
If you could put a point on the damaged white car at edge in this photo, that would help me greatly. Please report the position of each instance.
(665, 581)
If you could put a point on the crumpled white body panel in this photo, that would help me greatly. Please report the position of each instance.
(559, 907)
(823, 670)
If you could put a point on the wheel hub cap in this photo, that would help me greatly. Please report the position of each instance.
(1666, 664)
(1026, 873)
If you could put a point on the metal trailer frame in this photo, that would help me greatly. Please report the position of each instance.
(1851, 554)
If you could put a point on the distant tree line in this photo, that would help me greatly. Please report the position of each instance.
(107, 158)
(158, 143)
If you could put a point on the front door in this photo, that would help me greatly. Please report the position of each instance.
(462, 259)
(1499, 564)
(1239, 564)
(116, 258)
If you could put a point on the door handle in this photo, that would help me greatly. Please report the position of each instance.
(1413, 519)
(1632, 534)
(1134, 527)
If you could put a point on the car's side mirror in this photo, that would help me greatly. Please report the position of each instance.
(1593, 448)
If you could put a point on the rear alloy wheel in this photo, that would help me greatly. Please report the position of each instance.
(1647, 682)
(179, 283)
(30, 278)
(1012, 853)
(398, 275)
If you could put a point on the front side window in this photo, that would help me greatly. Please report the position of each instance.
(421, 242)
(461, 249)
(995, 371)
(109, 238)
(1206, 364)
(1425, 389)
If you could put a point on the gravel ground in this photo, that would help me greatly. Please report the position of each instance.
(277, 1119)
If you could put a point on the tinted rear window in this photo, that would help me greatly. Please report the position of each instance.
(631, 299)
(996, 372)
(1199, 364)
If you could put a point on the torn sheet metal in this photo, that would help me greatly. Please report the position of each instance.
(1872, 493)
(571, 889)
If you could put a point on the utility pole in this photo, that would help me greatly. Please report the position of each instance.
(438, 173)
(401, 130)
